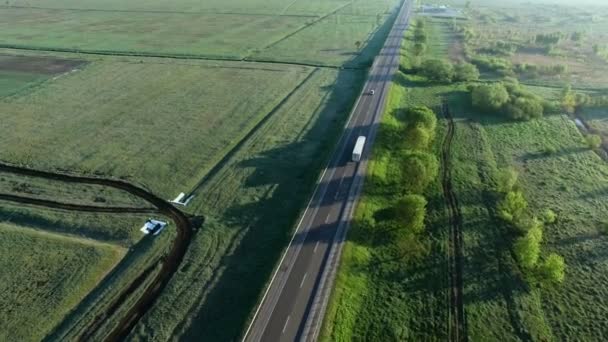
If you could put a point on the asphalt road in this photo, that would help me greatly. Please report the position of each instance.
(287, 302)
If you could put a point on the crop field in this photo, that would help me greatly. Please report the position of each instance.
(212, 30)
(17, 73)
(43, 276)
(382, 297)
(151, 122)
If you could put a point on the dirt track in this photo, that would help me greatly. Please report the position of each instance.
(170, 263)
(457, 320)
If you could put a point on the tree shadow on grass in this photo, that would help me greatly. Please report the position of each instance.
(289, 173)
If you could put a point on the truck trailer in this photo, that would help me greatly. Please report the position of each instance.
(358, 150)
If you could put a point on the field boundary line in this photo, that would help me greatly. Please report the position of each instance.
(234, 149)
(71, 9)
(300, 29)
(144, 54)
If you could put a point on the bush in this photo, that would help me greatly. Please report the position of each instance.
(410, 210)
(527, 251)
(418, 138)
(553, 269)
(593, 141)
(512, 206)
(421, 116)
(437, 70)
(525, 108)
(506, 180)
(490, 96)
(419, 49)
(419, 170)
(526, 224)
(500, 65)
(465, 72)
(549, 216)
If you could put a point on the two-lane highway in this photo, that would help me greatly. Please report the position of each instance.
(288, 300)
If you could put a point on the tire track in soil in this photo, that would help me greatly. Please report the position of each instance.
(457, 320)
(170, 262)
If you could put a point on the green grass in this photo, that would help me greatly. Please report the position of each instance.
(332, 40)
(251, 206)
(410, 301)
(160, 124)
(13, 82)
(218, 29)
(87, 194)
(120, 229)
(43, 276)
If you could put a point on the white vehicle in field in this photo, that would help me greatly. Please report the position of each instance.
(358, 150)
(153, 227)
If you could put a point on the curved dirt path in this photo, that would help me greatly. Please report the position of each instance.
(170, 263)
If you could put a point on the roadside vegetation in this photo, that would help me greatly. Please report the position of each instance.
(529, 186)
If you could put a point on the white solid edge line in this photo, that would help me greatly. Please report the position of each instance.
(303, 215)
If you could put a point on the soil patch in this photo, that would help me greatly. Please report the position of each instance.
(38, 65)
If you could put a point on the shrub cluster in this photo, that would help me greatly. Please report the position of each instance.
(439, 70)
(509, 99)
(499, 65)
(513, 209)
(419, 168)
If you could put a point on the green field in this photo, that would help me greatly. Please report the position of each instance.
(44, 276)
(399, 299)
(161, 124)
(267, 30)
(86, 194)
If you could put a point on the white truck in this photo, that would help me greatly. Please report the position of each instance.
(358, 150)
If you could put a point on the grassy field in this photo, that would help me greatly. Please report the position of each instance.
(251, 205)
(43, 276)
(87, 194)
(163, 125)
(499, 303)
(122, 229)
(224, 30)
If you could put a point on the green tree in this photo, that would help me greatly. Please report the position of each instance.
(411, 211)
(512, 206)
(419, 170)
(568, 99)
(506, 180)
(417, 138)
(553, 269)
(593, 141)
(524, 108)
(490, 96)
(549, 216)
(527, 249)
(437, 70)
(421, 116)
(419, 49)
(465, 72)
